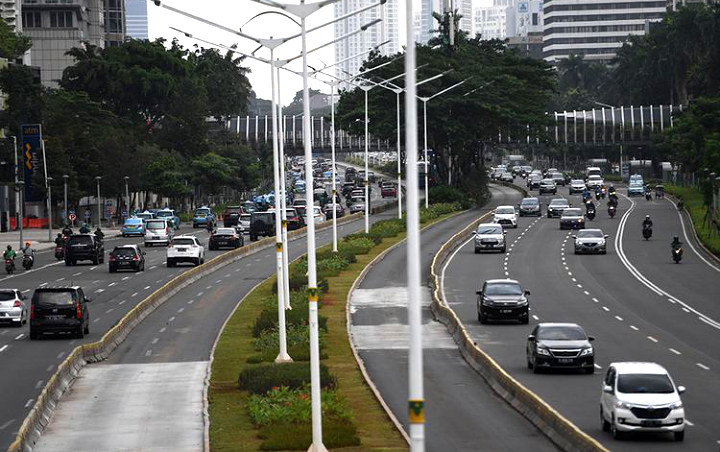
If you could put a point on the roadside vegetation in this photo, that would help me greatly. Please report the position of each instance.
(695, 204)
(257, 404)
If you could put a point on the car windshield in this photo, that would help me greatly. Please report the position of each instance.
(572, 213)
(644, 384)
(225, 231)
(594, 177)
(577, 182)
(559, 203)
(156, 225)
(529, 202)
(201, 213)
(590, 234)
(80, 240)
(504, 210)
(489, 230)
(7, 295)
(558, 176)
(548, 181)
(145, 216)
(124, 252)
(504, 288)
(183, 242)
(54, 298)
(561, 333)
(245, 217)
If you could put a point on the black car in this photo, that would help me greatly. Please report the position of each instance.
(347, 188)
(534, 182)
(529, 206)
(231, 216)
(350, 175)
(560, 346)
(84, 247)
(262, 224)
(126, 257)
(294, 219)
(225, 238)
(59, 310)
(502, 299)
(328, 209)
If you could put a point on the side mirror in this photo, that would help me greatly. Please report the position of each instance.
(591, 338)
(531, 337)
(144, 253)
(479, 292)
(681, 389)
(606, 236)
(574, 236)
(474, 233)
(527, 292)
(88, 299)
(607, 389)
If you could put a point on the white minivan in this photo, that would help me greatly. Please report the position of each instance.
(158, 231)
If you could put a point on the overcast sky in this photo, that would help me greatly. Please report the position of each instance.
(235, 14)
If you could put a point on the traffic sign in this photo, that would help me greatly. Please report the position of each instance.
(72, 217)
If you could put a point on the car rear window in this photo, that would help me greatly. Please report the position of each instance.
(183, 242)
(80, 240)
(561, 333)
(503, 289)
(644, 384)
(245, 217)
(530, 202)
(156, 225)
(6, 296)
(225, 231)
(559, 202)
(55, 298)
(263, 216)
(124, 252)
(164, 214)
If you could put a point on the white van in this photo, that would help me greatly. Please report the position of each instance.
(158, 231)
(592, 171)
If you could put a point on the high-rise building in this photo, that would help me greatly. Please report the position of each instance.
(114, 22)
(490, 22)
(136, 15)
(388, 30)
(417, 25)
(428, 23)
(56, 27)
(10, 13)
(595, 28)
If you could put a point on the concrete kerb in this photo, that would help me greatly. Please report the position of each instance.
(556, 427)
(41, 413)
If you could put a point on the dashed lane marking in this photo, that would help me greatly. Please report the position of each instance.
(146, 287)
(59, 279)
(619, 318)
(50, 368)
(111, 284)
(634, 327)
(9, 423)
(597, 366)
(28, 403)
(126, 278)
(586, 292)
(596, 300)
(148, 353)
(180, 311)
(3, 348)
(535, 317)
(191, 301)
(199, 294)
(38, 384)
(77, 274)
(155, 341)
(19, 336)
(60, 355)
(109, 310)
(703, 366)
(675, 351)
(686, 310)
(134, 294)
(606, 309)
(171, 319)
(162, 330)
(652, 339)
(122, 302)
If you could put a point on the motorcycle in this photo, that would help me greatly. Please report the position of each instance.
(611, 211)
(677, 253)
(59, 253)
(648, 196)
(9, 266)
(28, 262)
(647, 231)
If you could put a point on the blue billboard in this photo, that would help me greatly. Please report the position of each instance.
(31, 139)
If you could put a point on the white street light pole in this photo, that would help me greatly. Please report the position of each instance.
(416, 399)
(366, 88)
(332, 151)
(399, 154)
(283, 189)
(49, 201)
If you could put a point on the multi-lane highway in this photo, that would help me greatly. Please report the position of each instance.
(638, 304)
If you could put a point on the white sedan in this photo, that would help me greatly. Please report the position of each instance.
(506, 216)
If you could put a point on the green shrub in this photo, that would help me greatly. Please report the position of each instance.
(284, 405)
(295, 334)
(298, 283)
(376, 238)
(449, 195)
(357, 246)
(263, 378)
(336, 434)
(388, 228)
(254, 359)
(298, 316)
(349, 257)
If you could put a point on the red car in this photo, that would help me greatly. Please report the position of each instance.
(388, 189)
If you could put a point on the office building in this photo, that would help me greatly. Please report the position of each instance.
(10, 13)
(429, 25)
(56, 28)
(114, 22)
(388, 30)
(595, 29)
(490, 22)
(136, 19)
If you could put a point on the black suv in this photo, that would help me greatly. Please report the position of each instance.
(59, 310)
(84, 247)
(350, 174)
(262, 224)
(231, 216)
(126, 257)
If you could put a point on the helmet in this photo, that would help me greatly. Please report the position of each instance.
(27, 243)
(675, 238)
(9, 247)
(647, 217)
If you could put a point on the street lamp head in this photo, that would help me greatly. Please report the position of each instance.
(370, 24)
(126, 178)
(65, 176)
(49, 178)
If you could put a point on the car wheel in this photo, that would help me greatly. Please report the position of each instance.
(679, 436)
(604, 424)
(590, 370)
(502, 251)
(87, 329)
(477, 251)
(74, 261)
(96, 260)
(170, 263)
(529, 362)
(525, 320)
(112, 270)
(102, 259)
(34, 336)
(482, 319)
(604, 251)
(68, 262)
(616, 434)
(80, 333)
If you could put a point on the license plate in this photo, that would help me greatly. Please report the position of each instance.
(182, 250)
(222, 243)
(505, 311)
(565, 360)
(54, 317)
(651, 423)
(156, 237)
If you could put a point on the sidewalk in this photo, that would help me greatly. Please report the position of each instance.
(38, 238)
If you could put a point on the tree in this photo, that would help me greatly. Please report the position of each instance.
(224, 80)
(12, 45)
(17, 82)
(694, 140)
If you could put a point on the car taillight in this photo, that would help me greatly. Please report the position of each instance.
(136, 258)
(78, 311)
(111, 258)
(167, 231)
(32, 312)
(17, 304)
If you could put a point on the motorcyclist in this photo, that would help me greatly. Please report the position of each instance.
(209, 225)
(647, 222)
(611, 190)
(28, 252)
(590, 206)
(676, 243)
(67, 230)
(99, 233)
(585, 193)
(59, 240)
(612, 201)
(85, 229)
(9, 253)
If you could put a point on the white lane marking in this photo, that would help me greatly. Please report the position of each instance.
(146, 287)
(9, 423)
(49, 368)
(100, 291)
(248, 264)
(134, 294)
(218, 281)
(72, 342)
(180, 311)
(60, 355)
(652, 339)
(43, 284)
(208, 287)
(199, 294)
(535, 317)
(586, 292)
(153, 267)
(702, 366)
(634, 328)
(111, 284)
(606, 309)
(19, 336)
(226, 276)
(687, 239)
(597, 366)
(28, 403)
(155, 341)
(26, 291)
(77, 274)
(644, 280)
(238, 270)
(59, 279)
(3, 348)
(96, 320)
(162, 330)
(580, 286)
(126, 278)
(690, 424)
(191, 301)
(148, 353)
(171, 319)
(109, 310)
(686, 310)
(675, 351)
(596, 300)
(507, 274)
(38, 384)
(619, 318)
(122, 302)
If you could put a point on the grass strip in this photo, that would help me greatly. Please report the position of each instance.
(693, 200)
(231, 428)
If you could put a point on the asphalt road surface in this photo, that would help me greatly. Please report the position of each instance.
(638, 304)
(463, 413)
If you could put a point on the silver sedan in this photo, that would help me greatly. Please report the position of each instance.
(590, 241)
(12, 307)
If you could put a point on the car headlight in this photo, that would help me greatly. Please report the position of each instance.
(487, 302)
(522, 302)
(586, 351)
(542, 351)
(676, 405)
(601, 243)
(621, 404)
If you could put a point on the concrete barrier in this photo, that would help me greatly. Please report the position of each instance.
(39, 416)
(556, 427)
